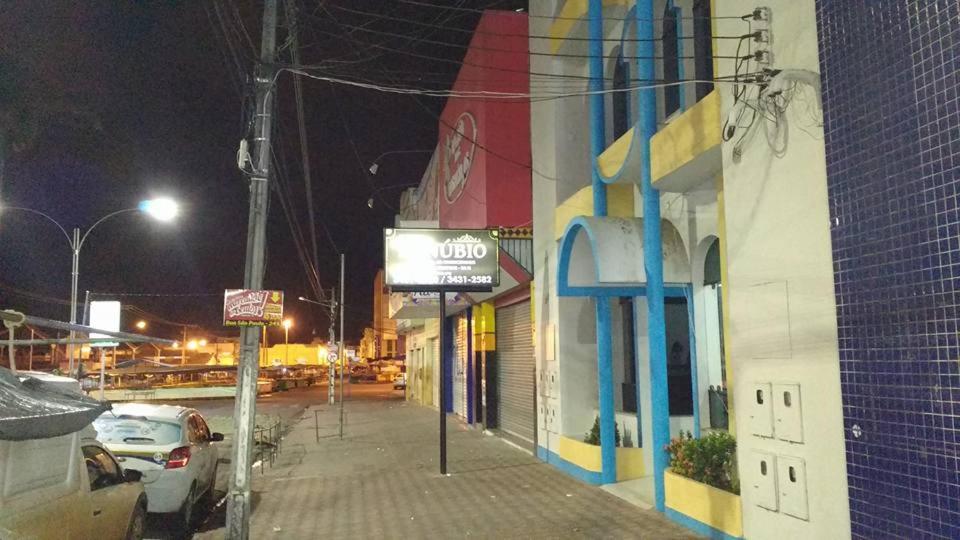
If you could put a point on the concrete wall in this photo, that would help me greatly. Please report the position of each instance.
(782, 320)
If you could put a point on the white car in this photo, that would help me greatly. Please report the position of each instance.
(171, 447)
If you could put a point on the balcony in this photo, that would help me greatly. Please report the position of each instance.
(686, 154)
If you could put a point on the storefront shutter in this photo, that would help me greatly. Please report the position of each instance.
(515, 373)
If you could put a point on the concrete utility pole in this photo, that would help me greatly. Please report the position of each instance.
(341, 351)
(238, 494)
(333, 340)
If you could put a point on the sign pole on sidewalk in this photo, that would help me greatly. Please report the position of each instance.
(443, 382)
(442, 260)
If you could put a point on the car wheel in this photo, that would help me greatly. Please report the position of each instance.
(185, 515)
(209, 497)
(138, 522)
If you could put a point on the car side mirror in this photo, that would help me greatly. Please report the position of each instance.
(216, 437)
(132, 475)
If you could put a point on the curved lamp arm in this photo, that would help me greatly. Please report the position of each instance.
(101, 220)
(41, 214)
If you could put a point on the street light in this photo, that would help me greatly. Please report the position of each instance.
(287, 323)
(192, 345)
(202, 343)
(141, 325)
(375, 166)
(162, 209)
(370, 201)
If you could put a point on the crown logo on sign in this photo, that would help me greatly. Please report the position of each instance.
(467, 239)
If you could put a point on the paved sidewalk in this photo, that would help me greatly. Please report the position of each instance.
(382, 481)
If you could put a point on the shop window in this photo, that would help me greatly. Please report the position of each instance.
(672, 62)
(703, 46)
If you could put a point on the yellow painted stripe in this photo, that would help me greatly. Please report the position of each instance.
(686, 137)
(620, 199)
(611, 161)
(569, 16)
(583, 455)
(714, 507)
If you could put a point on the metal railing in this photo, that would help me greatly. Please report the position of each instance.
(267, 444)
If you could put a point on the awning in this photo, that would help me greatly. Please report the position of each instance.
(35, 409)
(603, 256)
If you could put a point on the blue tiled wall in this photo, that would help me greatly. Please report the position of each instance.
(892, 121)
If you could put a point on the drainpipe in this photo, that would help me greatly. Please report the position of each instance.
(608, 451)
(652, 252)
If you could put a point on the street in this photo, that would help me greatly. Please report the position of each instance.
(287, 407)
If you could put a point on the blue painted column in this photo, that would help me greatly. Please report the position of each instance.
(694, 366)
(598, 142)
(652, 251)
(598, 132)
(608, 443)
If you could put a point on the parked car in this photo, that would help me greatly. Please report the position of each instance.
(68, 486)
(172, 447)
(400, 383)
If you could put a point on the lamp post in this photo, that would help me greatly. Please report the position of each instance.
(287, 323)
(375, 165)
(161, 209)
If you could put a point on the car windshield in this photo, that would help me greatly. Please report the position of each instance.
(129, 430)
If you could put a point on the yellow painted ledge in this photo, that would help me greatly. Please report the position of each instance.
(573, 11)
(686, 153)
(708, 505)
(612, 161)
(587, 456)
(619, 204)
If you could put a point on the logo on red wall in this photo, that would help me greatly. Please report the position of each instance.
(458, 150)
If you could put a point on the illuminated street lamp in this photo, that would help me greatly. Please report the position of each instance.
(161, 209)
(202, 343)
(141, 325)
(287, 323)
(192, 345)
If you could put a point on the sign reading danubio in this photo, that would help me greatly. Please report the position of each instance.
(451, 259)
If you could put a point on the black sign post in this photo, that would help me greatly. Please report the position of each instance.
(442, 261)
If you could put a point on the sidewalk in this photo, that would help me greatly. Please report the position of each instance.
(382, 481)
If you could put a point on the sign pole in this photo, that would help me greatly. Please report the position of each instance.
(443, 382)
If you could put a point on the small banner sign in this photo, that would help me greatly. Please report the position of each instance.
(245, 307)
(449, 259)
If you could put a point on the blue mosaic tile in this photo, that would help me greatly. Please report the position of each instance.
(891, 92)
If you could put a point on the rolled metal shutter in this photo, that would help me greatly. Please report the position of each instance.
(515, 373)
(460, 366)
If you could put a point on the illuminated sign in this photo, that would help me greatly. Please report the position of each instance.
(449, 259)
(244, 307)
(104, 315)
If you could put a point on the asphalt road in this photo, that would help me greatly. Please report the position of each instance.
(287, 407)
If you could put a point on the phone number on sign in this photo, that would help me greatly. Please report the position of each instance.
(466, 280)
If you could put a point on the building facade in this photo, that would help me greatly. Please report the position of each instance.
(684, 277)
(479, 178)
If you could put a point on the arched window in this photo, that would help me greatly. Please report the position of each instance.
(702, 46)
(671, 58)
(621, 100)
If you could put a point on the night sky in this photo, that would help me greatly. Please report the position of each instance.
(129, 100)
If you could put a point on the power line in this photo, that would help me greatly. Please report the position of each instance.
(522, 52)
(499, 34)
(556, 18)
(493, 95)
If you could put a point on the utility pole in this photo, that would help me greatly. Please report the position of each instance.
(238, 494)
(333, 340)
(341, 350)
